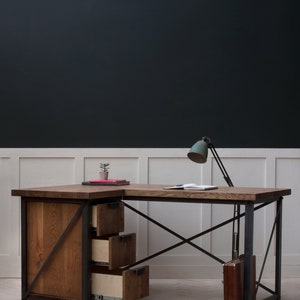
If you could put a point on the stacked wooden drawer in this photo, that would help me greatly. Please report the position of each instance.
(111, 253)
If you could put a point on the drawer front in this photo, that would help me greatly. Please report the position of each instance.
(107, 285)
(116, 251)
(108, 218)
(136, 283)
(130, 284)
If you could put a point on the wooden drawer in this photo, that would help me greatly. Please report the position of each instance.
(115, 251)
(127, 284)
(108, 218)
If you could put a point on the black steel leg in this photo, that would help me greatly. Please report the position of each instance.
(248, 268)
(278, 253)
(24, 247)
(86, 253)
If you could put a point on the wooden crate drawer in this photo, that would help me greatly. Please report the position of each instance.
(127, 284)
(115, 251)
(108, 218)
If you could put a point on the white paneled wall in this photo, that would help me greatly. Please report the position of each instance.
(247, 167)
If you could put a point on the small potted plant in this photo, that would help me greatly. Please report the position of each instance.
(104, 169)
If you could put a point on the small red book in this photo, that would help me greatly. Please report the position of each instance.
(106, 182)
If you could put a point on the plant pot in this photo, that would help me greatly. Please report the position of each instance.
(103, 175)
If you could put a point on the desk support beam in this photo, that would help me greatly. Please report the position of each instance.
(86, 251)
(248, 271)
(24, 280)
(278, 249)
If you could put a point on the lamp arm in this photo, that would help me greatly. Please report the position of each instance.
(220, 164)
(235, 231)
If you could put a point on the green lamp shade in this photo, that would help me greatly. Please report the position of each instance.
(198, 152)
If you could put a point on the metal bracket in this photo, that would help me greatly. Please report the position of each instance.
(125, 238)
(139, 271)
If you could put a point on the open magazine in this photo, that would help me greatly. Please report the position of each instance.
(191, 186)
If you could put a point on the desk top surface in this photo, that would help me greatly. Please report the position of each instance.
(153, 192)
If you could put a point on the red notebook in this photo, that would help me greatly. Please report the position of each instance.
(106, 182)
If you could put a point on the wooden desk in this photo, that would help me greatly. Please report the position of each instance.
(72, 277)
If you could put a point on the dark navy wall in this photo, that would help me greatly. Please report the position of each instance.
(149, 73)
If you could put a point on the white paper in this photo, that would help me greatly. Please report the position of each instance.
(191, 186)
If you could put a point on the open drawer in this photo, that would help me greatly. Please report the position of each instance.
(108, 218)
(115, 251)
(127, 284)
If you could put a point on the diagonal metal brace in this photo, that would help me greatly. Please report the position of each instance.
(184, 240)
(174, 233)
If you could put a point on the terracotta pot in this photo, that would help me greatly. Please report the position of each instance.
(103, 175)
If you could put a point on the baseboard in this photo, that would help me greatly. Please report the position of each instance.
(215, 271)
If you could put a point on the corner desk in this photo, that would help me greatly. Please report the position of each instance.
(56, 222)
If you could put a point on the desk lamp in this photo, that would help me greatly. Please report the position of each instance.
(198, 154)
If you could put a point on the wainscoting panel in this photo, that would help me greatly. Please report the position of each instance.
(125, 167)
(10, 259)
(249, 172)
(288, 174)
(20, 168)
(46, 170)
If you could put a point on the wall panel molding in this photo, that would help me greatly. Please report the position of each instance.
(247, 167)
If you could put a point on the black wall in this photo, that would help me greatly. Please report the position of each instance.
(149, 73)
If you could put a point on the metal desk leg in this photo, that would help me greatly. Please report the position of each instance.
(278, 249)
(248, 244)
(24, 248)
(86, 253)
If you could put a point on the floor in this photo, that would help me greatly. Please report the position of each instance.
(175, 289)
